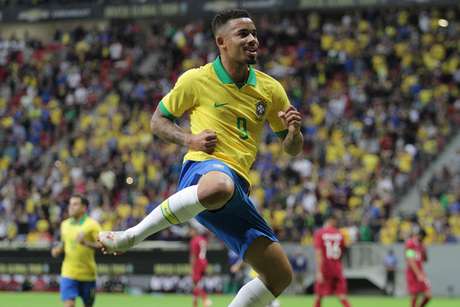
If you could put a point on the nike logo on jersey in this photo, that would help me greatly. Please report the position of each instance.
(218, 105)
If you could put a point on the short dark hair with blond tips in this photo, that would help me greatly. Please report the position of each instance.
(222, 17)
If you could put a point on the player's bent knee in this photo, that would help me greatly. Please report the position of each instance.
(278, 282)
(286, 280)
(279, 285)
(215, 190)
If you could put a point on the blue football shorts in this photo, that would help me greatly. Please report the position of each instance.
(71, 288)
(238, 223)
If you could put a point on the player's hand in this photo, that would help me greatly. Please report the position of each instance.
(81, 238)
(55, 251)
(421, 278)
(291, 118)
(319, 277)
(205, 141)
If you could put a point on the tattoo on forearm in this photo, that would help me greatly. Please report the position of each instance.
(293, 143)
(168, 130)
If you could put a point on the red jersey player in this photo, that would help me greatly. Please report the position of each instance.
(329, 248)
(199, 263)
(417, 281)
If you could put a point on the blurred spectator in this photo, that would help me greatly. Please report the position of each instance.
(391, 265)
(40, 283)
(26, 284)
(299, 265)
(378, 90)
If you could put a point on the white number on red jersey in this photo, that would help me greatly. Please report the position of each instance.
(333, 250)
(203, 246)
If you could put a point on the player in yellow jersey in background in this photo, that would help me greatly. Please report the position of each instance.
(229, 103)
(78, 243)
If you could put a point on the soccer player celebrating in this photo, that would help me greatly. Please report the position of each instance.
(229, 102)
(417, 281)
(329, 247)
(78, 243)
(199, 263)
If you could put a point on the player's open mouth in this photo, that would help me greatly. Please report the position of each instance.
(251, 51)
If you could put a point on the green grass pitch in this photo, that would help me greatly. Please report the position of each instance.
(18, 299)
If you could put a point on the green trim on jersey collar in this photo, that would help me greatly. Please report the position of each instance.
(252, 77)
(225, 78)
(80, 221)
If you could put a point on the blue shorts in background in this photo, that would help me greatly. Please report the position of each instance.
(238, 223)
(71, 288)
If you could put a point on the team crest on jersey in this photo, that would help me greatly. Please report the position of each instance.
(261, 107)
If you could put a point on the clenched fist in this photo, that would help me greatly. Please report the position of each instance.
(205, 141)
(291, 118)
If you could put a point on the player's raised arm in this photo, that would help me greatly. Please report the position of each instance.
(293, 140)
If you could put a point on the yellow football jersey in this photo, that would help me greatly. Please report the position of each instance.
(236, 114)
(79, 261)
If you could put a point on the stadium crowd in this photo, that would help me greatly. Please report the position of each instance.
(44, 3)
(380, 102)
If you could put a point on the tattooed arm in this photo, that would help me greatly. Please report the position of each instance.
(169, 131)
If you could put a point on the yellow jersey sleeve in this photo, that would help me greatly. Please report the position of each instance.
(181, 98)
(280, 102)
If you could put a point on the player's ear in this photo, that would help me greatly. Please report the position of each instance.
(220, 41)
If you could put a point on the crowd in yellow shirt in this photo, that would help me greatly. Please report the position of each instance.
(379, 93)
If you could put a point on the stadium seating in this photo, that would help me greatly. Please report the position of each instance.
(380, 102)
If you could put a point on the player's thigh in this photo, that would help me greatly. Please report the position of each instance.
(269, 260)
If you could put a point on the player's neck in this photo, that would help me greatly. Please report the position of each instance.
(237, 71)
(79, 218)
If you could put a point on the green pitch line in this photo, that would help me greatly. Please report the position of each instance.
(18, 299)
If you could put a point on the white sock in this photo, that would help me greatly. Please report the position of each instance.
(178, 208)
(253, 294)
